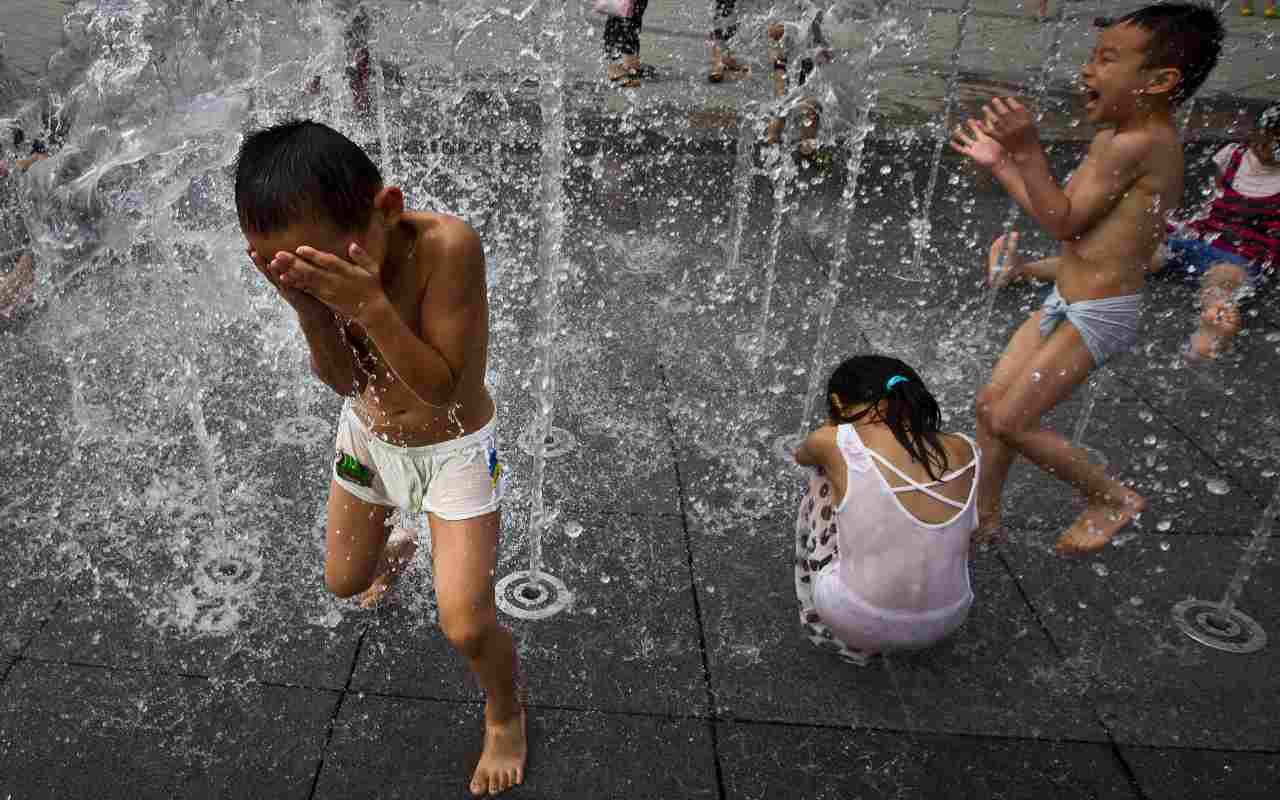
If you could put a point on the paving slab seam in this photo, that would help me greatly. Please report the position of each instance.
(21, 654)
(917, 731)
(337, 709)
(1259, 502)
(1166, 748)
(1116, 750)
(693, 589)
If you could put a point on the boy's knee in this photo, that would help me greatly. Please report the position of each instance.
(468, 635)
(988, 396)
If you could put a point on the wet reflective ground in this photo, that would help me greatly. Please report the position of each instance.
(164, 628)
(123, 642)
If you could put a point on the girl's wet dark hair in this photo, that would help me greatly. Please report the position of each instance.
(910, 410)
(303, 171)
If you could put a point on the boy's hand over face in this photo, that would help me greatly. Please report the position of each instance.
(351, 288)
(302, 302)
(1011, 124)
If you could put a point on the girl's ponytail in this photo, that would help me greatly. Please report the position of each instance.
(910, 411)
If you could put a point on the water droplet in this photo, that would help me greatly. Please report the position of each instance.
(1217, 486)
(1135, 601)
(604, 578)
(1036, 376)
(1164, 546)
(1145, 416)
(1150, 440)
(573, 529)
(1164, 525)
(1101, 570)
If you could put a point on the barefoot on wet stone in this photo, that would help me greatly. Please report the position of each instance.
(1218, 324)
(1099, 523)
(396, 557)
(502, 763)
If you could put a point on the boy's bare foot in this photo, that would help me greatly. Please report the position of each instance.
(396, 556)
(505, 749)
(17, 287)
(1102, 520)
(1218, 324)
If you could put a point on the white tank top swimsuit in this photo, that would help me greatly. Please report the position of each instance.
(897, 582)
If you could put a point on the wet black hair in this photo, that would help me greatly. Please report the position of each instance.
(1186, 36)
(910, 411)
(304, 171)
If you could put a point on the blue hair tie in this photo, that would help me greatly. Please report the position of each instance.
(894, 381)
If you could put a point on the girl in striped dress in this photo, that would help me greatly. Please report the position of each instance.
(1231, 249)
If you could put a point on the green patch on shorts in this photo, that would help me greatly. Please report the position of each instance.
(350, 469)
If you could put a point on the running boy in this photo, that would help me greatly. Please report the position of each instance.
(1110, 218)
(394, 307)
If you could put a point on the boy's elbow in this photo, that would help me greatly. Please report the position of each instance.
(1064, 230)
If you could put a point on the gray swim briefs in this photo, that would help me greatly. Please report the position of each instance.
(1108, 326)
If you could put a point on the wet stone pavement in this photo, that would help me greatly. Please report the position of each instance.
(679, 669)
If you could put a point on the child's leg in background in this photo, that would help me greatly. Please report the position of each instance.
(997, 456)
(778, 62)
(464, 557)
(17, 286)
(1220, 309)
(1056, 368)
(721, 36)
(622, 42)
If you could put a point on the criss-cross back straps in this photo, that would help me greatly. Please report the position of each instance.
(912, 486)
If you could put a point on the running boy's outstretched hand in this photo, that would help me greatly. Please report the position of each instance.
(351, 288)
(978, 145)
(1011, 124)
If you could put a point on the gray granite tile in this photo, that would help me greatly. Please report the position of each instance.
(1111, 617)
(73, 731)
(1183, 774)
(435, 746)
(767, 761)
(628, 642)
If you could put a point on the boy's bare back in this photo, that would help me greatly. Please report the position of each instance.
(438, 289)
(1133, 179)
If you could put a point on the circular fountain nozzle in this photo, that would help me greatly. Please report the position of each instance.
(527, 595)
(557, 444)
(1209, 624)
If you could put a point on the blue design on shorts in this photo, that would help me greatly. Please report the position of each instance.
(495, 468)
